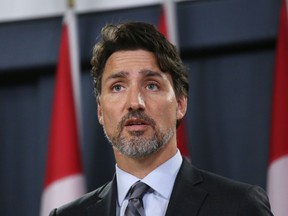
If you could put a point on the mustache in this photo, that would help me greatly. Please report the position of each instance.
(136, 114)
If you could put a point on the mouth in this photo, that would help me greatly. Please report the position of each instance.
(136, 124)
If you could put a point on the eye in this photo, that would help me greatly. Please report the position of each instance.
(117, 88)
(152, 87)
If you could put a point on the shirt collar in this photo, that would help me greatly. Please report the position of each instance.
(160, 179)
(124, 182)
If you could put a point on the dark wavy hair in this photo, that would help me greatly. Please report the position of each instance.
(133, 36)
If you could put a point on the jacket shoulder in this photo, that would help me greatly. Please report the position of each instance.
(223, 195)
(243, 198)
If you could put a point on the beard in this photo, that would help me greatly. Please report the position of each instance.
(139, 146)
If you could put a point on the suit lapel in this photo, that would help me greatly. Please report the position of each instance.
(186, 197)
(106, 203)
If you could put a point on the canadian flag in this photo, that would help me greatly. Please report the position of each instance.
(277, 184)
(64, 180)
(168, 27)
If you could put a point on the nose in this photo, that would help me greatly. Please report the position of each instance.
(135, 100)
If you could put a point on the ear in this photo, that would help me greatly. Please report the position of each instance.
(182, 107)
(99, 113)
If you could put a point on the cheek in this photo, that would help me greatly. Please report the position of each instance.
(107, 118)
(172, 104)
(109, 126)
(110, 118)
(166, 112)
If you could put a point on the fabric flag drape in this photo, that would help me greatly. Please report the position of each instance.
(277, 184)
(64, 180)
(167, 26)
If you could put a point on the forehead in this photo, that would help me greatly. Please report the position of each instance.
(131, 60)
(133, 63)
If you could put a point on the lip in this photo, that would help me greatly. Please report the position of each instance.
(136, 124)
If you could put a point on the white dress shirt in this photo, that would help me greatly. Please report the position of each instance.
(160, 179)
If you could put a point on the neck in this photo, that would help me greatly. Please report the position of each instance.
(140, 167)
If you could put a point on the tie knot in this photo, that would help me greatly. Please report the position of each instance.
(138, 190)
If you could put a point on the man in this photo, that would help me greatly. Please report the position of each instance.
(141, 90)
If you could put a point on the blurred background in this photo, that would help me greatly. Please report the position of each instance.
(228, 46)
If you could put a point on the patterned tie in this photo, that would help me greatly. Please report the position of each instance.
(135, 204)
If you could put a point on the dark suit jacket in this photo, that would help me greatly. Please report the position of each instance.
(196, 193)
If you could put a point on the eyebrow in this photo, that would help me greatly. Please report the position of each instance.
(120, 74)
(150, 73)
(144, 72)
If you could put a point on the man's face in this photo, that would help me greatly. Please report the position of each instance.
(138, 107)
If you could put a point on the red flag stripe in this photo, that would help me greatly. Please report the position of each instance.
(277, 182)
(182, 140)
(63, 149)
(162, 24)
(64, 180)
(279, 120)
